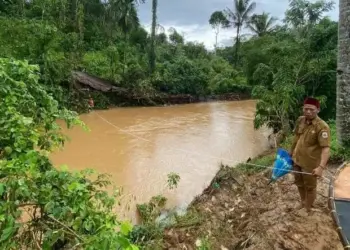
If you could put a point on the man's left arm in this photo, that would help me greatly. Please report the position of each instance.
(324, 140)
(325, 156)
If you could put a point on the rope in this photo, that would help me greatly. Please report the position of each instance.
(213, 157)
(289, 171)
(143, 139)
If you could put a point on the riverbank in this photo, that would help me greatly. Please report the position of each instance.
(238, 210)
(245, 213)
(111, 100)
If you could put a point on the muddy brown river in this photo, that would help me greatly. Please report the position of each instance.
(138, 147)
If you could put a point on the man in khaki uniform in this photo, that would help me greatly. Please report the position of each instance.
(310, 151)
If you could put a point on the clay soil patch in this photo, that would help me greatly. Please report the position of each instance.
(242, 212)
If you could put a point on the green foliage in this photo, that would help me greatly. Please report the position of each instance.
(173, 180)
(203, 243)
(104, 63)
(148, 234)
(280, 66)
(218, 19)
(261, 24)
(238, 16)
(191, 218)
(102, 101)
(286, 70)
(183, 77)
(105, 39)
(302, 12)
(225, 79)
(338, 153)
(176, 38)
(64, 209)
(151, 210)
(152, 52)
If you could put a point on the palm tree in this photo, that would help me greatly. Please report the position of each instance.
(261, 24)
(127, 18)
(239, 16)
(343, 77)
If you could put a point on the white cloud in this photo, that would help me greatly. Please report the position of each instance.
(190, 17)
(199, 33)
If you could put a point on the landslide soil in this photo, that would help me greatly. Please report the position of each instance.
(242, 212)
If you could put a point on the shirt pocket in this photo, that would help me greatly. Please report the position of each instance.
(300, 130)
(311, 137)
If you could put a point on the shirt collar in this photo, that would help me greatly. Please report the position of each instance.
(313, 122)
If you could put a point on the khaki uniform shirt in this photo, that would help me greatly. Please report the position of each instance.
(308, 142)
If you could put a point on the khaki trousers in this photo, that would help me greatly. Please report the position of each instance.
(307, 185)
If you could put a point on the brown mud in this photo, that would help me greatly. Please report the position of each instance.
(342, 183)
(242, 212)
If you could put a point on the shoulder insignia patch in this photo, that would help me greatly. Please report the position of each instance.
(324, 135)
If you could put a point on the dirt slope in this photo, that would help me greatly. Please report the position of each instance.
(245, 213)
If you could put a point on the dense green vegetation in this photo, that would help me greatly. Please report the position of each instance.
(107, 40)
(281, 63)
(43, 41)
(42, 207)
(286, 62)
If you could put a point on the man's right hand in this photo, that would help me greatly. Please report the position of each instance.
(318, 171)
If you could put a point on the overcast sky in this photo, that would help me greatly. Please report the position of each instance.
(190, 17)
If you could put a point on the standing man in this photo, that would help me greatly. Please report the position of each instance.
(310, 151)
(91, 103)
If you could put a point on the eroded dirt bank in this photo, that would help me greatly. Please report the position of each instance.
(239, 211)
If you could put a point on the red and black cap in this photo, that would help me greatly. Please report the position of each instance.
(312, 101)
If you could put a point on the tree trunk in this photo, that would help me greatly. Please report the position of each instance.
(237, 45)
(216, 37)
(343, 74)
(125, 50)
(152, 55)
(21, 4)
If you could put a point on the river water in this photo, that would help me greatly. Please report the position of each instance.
(138, 147)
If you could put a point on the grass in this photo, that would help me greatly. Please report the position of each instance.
(149, 235)
(191, 218)
(150, 211)
(203, 244)
(260, 164)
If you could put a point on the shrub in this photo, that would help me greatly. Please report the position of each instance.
(65, 209)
